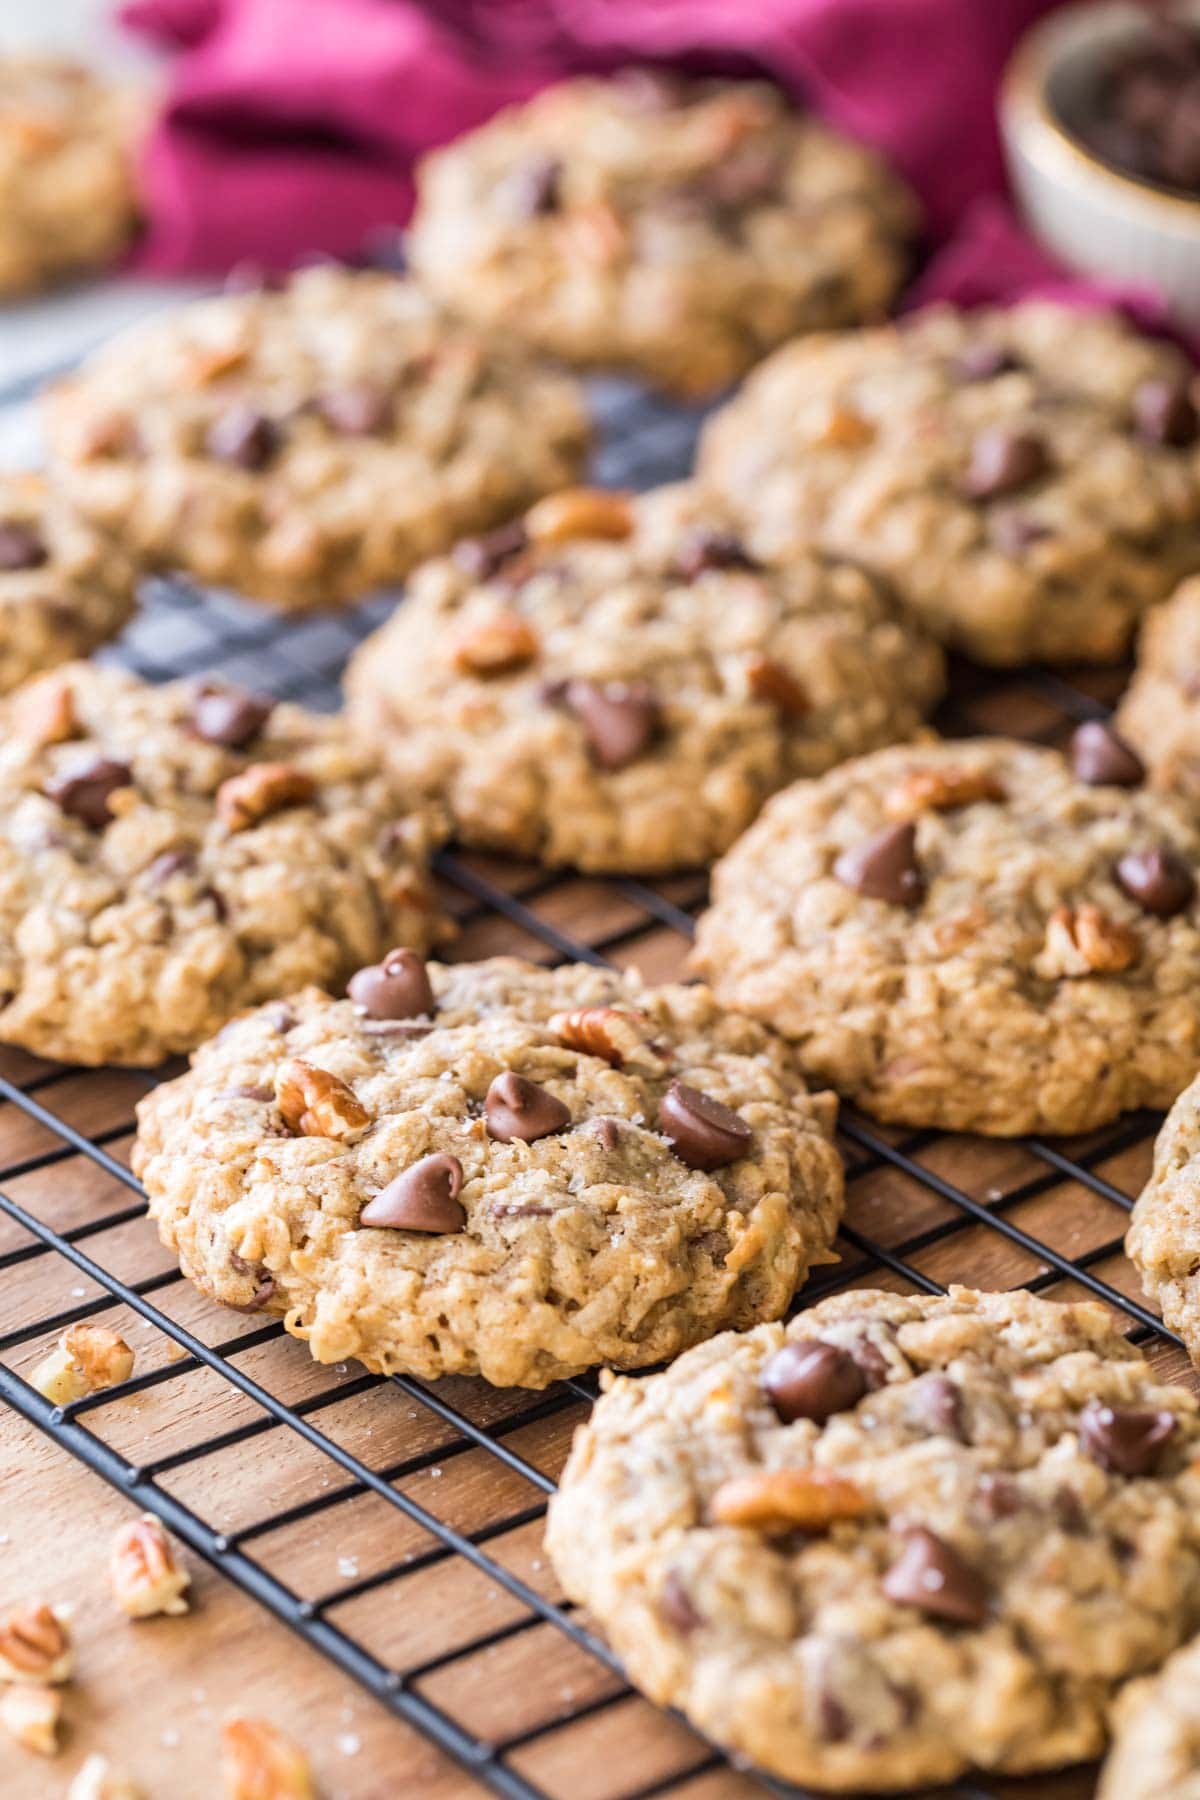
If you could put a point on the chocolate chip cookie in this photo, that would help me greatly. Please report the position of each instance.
(978, 936)
(495, 1169)
(680, 229)
(63, 588)
(618, 684)
(170, 854)
(898, 1538)
(1160, 713)
(309, 444)
(1156, 1735)
(67, 200)
(1030, 479)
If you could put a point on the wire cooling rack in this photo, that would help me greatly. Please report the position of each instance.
(443, 1572)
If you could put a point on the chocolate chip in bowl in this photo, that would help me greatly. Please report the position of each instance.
(1100, 116)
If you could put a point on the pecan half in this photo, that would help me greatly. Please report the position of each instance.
(259, 1763)
(35, 1645)
(30, 1715)
(495, 645)
(315, 1103)
(786, 1500)
(1081, 940)
(579, 513)
(145, 1573)
(843, 429)
(941, 790)
(770, 681)
(44, 712)
(603, 1031)
(259, 791)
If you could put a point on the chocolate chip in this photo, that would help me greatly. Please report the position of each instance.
(608, 1131)
(396, 988)
(355, 411)
(999, 1496)
(676, 1606)
(1068, 1510)
(884, 867)
(833, 1721)
(937, 1403)
(279, 1017)
(931, 1575)
(20, 548)
(518, 1108)
(1163, 413)
(247, 1091)
(242, 436)
(1159, 880)
(1102, 759)
(1013, 530)
(230, 716)
(872, 1362)
(535, 189)
(703, 1133)
(812, 1380)
(481, 557)
(983, 361)
(1125, 1440)
(1002, 461)
(258, 1299)
(709, 548)
(424, 1198)
(619, 719)
(84, 791)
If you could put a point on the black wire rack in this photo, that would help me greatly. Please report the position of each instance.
(923, 1210)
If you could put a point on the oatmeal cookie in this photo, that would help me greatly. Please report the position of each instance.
(977, 936)
(63, 588)
(495, 1169)
(1160, 713)
(618, 684)
(67, 200)
(1156, 1735)
(1030, 479)
(308, 444)
(898, 1538)
(1163, 1241)
(680, 229)
(170, 854)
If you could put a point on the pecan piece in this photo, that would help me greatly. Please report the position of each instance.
(843, 429)
(941, 790)
(259, 791)
(603, 1031)
(30, 1715)
(770, 681)
(495, 645)
(259, 1763)
(786, 1500)
(145, 1573)
(44, 712)
(87, 1359)
(35, 1645)
(1081, 940)
(315, 1103)
(579, 513)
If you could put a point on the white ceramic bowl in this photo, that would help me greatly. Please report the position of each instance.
(1095, 219)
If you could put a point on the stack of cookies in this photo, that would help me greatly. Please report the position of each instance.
(898, 1537)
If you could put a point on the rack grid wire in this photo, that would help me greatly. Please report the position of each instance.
(923, 1209)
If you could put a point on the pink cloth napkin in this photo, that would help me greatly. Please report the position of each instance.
(292, 125)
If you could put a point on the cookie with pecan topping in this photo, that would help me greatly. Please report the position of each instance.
(504, 1170)
(308, 444)
(979, 935)
(170, 854)
(898, 1538)
(618, 684)
(1014, 473)
(678, 228)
